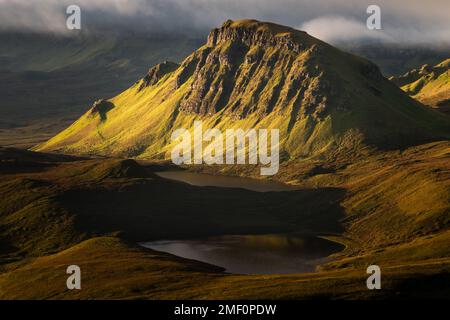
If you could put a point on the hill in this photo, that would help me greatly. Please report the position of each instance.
(395, 59)
(429, 84)
(49, 204)
(254, 74)
(94, 211)
(47, 80)
(146, 274)
(370, 163)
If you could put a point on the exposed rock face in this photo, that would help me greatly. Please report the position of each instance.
(249, 67)
(156, 73)
(252, 33)
(101, 107)
(249, 74)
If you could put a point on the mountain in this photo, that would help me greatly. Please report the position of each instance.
(397, 59)
(253, 74)
(387, 206)
(47, 80)
(430, 85)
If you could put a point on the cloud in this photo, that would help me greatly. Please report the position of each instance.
(50, 16)
(414, 21)
(338, 28)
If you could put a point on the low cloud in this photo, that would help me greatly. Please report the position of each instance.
(337, 28)
(412, 21)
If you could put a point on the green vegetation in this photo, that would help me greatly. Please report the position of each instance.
(48, 81)
(121, 196)
(93, 211)
(259, 75)
(118, 270)
(430, 85)
(371, 166)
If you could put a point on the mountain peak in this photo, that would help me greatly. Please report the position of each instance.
(253, 32)
(257, 26)
(253, 74)
(250, 67)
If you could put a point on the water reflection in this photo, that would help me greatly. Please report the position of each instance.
(254, 254)
(201, 179)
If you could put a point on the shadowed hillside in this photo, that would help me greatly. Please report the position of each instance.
(47, 80)
(61, 203)
(87, 212)
(368, 166)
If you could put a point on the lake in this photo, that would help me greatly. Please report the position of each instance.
(254, 254)
(248, 254)
(202, 179)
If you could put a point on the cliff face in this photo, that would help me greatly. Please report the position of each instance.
(251, 33)
(252, 74)
(248, 67)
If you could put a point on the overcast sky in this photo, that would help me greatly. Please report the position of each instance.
(404, 21)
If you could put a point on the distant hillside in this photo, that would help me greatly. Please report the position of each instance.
(263, 75)
(48, 80)
(430, 85)
(397, 59)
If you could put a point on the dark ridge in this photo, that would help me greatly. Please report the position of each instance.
(101, 107)
(156, 72)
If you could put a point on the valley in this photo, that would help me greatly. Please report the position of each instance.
(364, 170)
(93, 212)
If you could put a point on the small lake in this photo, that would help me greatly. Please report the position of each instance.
(254, 254)
(203, 180)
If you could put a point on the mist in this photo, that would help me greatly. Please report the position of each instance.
(403, 21)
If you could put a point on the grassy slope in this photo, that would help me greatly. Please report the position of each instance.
(48, 81)
(59, 204)
(391, 197)
(112, 269)
(430, 85)
(396, 217)
(392, 207)
(286, 95)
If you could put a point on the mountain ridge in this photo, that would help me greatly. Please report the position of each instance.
(429, 84)
(253, 74)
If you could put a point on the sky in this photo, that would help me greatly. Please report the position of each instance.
(403, 21)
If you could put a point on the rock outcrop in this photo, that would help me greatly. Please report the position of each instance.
(156, 73)
(251, 74)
